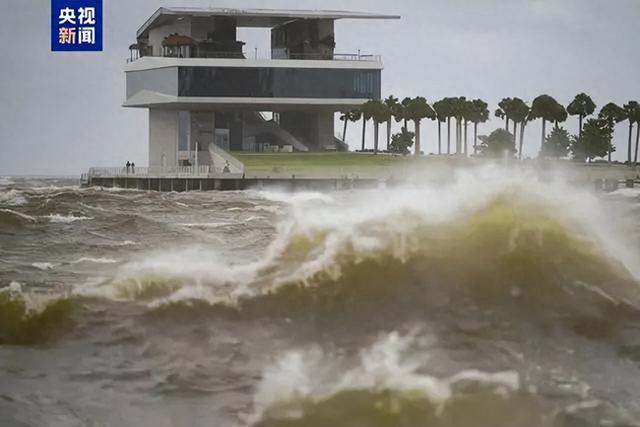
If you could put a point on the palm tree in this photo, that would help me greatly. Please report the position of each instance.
(468, 114)
(367, 110)
(630, 109)
(546, 108)
(344, 116)
(349, 116)
(400, 112)
(441, 109)
(392, 104)
(380, 114)
(519, 114)
(499, 113)
(581, 106)
(416, 110)
(504, 111)
(612, 114)
(512, 109)
(403, 109)
(479, 114)
(449, 111)
(458, 106)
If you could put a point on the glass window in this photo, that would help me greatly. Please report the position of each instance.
(278, 82)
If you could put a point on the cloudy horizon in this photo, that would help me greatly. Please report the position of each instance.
(62, 113)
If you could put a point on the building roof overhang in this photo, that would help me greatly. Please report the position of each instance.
(151, 99)
(257, 18)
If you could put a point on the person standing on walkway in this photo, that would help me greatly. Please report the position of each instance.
(128, 166)
(133, 168)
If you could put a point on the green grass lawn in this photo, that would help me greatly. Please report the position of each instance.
(298, 161)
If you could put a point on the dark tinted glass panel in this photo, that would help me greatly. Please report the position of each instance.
(278, 82)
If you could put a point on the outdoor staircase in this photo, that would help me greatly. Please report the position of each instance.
(220, 159)
(284, 136)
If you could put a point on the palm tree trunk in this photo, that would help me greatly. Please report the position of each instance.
(580, 117)
(522, 125)
(448, 135)
(506, 123)
(611, 126)
(376, 132)
(417, 126)
(635, 157)
(515, 132)
(364, 131)
(439, 137)
(475, 137)
(465, 138)
(630, 140)
(544, 133)
(388, 133)
(344, 131)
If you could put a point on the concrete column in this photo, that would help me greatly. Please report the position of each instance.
(163, 137)
(325, 128)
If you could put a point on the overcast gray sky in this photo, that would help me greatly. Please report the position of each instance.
(61, 112)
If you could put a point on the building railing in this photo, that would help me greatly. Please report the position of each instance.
(255, 56)
(149, 172)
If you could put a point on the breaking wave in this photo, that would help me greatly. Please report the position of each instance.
(12, 198)
(388, 385)
(27, 319)
(492, 238)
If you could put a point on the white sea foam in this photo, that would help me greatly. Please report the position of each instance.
(343, 220)
(95, 260)
(6, 181)
(310, 375)
(627, 192)
(12, 197)
(55, 189)
(44, 266)
(13, 288)
(294, 197)
(66, 219)
(111, 189)
(205, 224)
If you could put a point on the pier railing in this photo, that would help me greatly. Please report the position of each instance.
(151, 172)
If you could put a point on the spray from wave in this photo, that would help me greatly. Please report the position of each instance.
(388, 385)
(29, 319)
(492, 235)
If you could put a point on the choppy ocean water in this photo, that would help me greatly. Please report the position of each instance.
(500, 299)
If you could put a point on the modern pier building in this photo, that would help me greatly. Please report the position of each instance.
(207, 97)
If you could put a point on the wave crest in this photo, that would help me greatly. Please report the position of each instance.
(386, 387)
(24, 323)
(502, 240)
